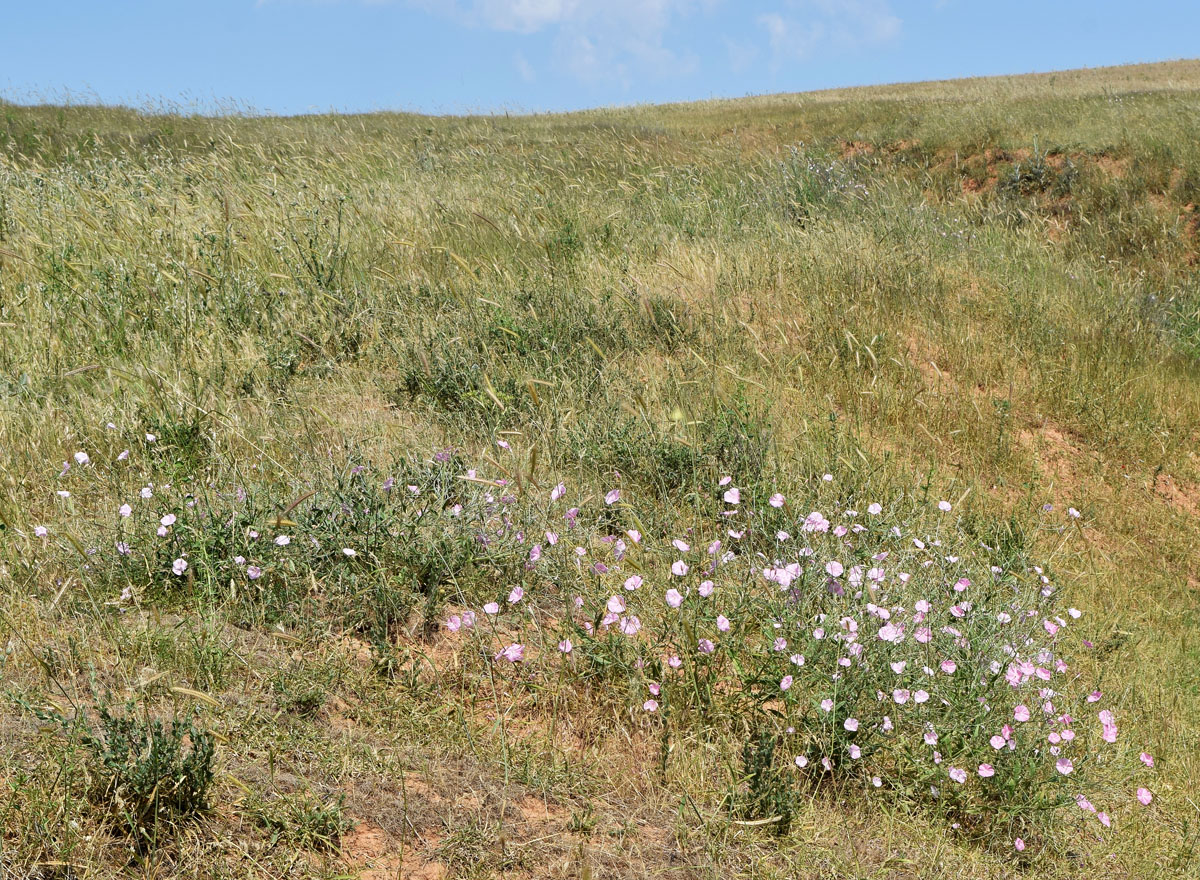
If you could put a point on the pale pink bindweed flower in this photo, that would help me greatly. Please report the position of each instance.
(851, 724)
(723, 623)
(673, 597)
(776, 500)
(957, 774)
(1064, 766)
(1144, 797)
(82, 458)
(565, 646)
(253, 572)
(785, 682)
(705, 589)
(1147, 759)
(283, 540)
(491, 608)
(733, 496)
(1019, 845)
(827, 705)
(1021, 713)
(679, 568)
(801, 761)
(179, 566)
(986, 771)
(650, 705)
(944, 506)
(349, 552)
(616, 604)
(513, 653)
(874, 509)
(612, 496)
(633, 582)
(834, 568)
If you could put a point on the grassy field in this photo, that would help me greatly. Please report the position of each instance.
(983, 291)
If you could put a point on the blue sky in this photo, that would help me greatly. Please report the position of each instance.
(452, 56)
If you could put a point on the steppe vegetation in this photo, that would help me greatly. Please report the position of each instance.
(796, 486)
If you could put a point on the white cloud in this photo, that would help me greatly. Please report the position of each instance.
(809, 25)
(524, 68)
(593, 40)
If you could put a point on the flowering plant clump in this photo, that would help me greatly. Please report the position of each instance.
(885, 647)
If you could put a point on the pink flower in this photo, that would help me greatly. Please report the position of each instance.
(514, 653)
(1147, 759)
(1064, 766)
(851, 724)
(776, 500)
(920, 696)
(674, 598)
(987, 771)
(900, 696)
(1021, 713)
(616, 604)
(612, 496)
(944, 506)
(515, 595)
(557, 492)
(733, 496)
(633, 582)
(650, 705)
(706, 646)
(705, 589)
(801, 761)
(1104, 819)
(1144, 796)
(179, 566)
(1019, 845)
(998, 742)
(723, 623)
(855, 751)
(930, 737)
(874, 509)
(827, 705)
(958, 775)
(565, 646)
(169, 520)
(679, 568)
(834, 568)
(253, 572)
(949, 666)
(454, 624)
(785, 683)
(491, 608)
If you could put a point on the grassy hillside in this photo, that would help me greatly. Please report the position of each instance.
(395, 335)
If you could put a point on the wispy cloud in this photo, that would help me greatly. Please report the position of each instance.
(593, 40)
(524, 68)
(803, 27)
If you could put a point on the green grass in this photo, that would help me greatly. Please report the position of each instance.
(986, 286)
